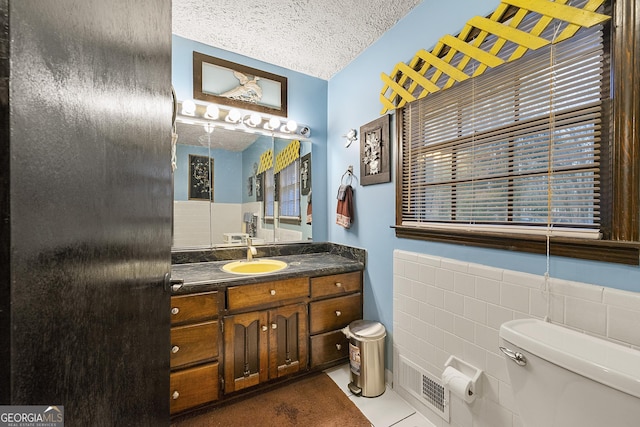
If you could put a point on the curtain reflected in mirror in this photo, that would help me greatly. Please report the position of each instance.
(232, 185)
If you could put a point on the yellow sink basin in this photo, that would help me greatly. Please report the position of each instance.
(260, 266)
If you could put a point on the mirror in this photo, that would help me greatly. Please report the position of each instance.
(261, 188)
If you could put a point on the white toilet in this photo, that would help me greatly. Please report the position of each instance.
(564, 378)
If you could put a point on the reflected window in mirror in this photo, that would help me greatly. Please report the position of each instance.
(269, 196)
(289, 193)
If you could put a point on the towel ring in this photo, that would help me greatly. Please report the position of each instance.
(350, 174)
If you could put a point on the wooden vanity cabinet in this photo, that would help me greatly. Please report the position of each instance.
(195, 347)
(268, 343)
(244, 335)
(336, 301)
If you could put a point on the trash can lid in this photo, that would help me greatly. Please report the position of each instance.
(367, 329)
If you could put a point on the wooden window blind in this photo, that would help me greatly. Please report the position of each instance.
(515, 149)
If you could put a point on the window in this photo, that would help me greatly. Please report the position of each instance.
(269, 195)
(289, 192)
(501, 159)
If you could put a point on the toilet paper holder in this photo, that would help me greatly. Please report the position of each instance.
(468, 371)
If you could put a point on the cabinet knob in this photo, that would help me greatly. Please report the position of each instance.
(338, 346)
(338, 284)
(338, 313)
(264, 328)
(175, 349)
(175, 310)
(175, 395)
(272, 291)
(274, 326)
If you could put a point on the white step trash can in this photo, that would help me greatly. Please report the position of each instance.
(366, 357)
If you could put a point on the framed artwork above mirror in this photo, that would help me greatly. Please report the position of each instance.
(227, 83)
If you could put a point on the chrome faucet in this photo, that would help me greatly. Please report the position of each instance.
(251, 250)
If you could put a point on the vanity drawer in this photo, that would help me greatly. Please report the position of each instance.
(194, 308)
(268, 293)
(334, 313)
(193, 387)
(194, 343)
(328, 347)
(336, 284)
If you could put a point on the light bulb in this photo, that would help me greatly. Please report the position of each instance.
(212, 112)
(188, 107)
(234, 115)
(255, 119)
(292, 125)
(274, 123)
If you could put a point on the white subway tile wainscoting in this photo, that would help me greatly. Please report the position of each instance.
(444, 307)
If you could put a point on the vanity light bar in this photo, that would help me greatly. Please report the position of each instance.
(212, 115)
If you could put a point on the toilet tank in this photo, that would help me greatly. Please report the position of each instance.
(568, 378)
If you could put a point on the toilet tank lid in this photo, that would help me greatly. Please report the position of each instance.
(603, 361)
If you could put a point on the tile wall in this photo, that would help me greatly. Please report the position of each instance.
(444, 307)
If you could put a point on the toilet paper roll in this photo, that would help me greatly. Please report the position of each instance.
(458, 383)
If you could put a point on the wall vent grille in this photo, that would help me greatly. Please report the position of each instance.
(433, 392)
(425, 387)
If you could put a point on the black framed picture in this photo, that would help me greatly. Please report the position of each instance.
(259, 187)
(250, 186)
(375, 152)
(305, 174)
(200, 177)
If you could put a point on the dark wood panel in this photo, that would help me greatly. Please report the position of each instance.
(87, 239)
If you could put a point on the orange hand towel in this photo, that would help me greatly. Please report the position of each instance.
(344, 214)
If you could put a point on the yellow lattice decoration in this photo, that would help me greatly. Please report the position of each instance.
(402, 85)
(266, 161)
(287, 156)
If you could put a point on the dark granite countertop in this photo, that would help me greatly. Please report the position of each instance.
(206, 276)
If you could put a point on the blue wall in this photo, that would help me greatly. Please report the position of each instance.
(307, 104)
(353, 102)
(227, 167)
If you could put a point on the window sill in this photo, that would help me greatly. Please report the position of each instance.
(596, 250)
(293, 220)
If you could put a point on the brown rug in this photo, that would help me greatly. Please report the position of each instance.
(311, 401)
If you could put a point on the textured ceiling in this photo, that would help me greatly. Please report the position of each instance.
(314, 37)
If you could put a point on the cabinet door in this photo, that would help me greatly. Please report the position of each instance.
(246, 350)
(287, 340)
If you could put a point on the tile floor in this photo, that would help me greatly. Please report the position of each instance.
(386, 410)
